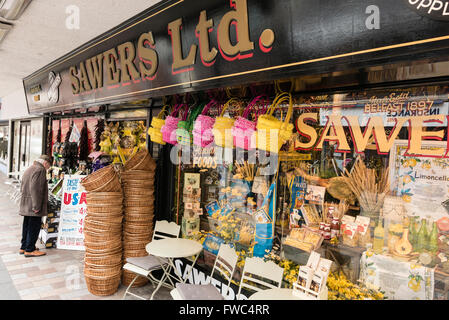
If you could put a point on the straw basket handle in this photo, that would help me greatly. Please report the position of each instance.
(176, 109)
(162, 112)
(252, 104)
(283, 97)
(227, 104)
(186, 113)
(213, 102)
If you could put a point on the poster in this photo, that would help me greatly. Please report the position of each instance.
(73, 212)
(399, 280)
(421, 182)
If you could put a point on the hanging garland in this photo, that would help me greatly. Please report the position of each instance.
(99, 128)
(49, 140)
(59, 135)
(84, 143)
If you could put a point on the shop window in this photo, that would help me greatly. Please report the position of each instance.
(4, 138)
(363, 181)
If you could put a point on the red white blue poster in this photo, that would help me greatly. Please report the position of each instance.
(73, 212)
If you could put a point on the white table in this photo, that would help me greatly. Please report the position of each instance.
(274, 294)
(170, 249)
(281, 294)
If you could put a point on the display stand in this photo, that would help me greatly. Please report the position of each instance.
(309, 294)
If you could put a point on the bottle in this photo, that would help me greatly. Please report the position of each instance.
(379, 233)
(413, 232)
(433, 239)
(422, 237)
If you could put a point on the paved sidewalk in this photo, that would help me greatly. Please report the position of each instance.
(56, 276)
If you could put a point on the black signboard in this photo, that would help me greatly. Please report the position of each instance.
(186, 45)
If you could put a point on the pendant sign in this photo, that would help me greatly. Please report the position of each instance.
(433, 9)
(54, 81)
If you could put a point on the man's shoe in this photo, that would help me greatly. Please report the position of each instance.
(21, 251)
(35, 253)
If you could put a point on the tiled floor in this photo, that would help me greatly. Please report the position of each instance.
(56, 276)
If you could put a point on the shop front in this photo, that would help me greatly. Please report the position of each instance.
(313, 139)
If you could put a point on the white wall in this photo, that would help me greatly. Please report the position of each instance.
(14, 106)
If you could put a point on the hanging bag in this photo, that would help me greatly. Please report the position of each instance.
(202, 127)
(170, 126)
(222, 129)
(156, 124)
(185, 127)
(244, 129)
(272, 133)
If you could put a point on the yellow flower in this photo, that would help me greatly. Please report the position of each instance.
(406, 198)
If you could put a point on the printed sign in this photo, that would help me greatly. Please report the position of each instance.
(423, 183)
(73, 212)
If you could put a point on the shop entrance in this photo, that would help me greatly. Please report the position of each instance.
(24, 145)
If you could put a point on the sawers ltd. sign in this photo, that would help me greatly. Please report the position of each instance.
(434, 9)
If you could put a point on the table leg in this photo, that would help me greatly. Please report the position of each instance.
(165, 276)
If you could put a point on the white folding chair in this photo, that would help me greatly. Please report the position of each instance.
(224, 263)
(266, 275)
(144, 266)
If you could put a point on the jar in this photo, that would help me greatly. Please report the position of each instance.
(327, 231)
(322, 225)
(335, 228)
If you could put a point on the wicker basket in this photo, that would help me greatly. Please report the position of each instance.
(137, 175)
(98, 226)
(102, 198)
(137, 218)
(112, 210)
(112, 185)
(103, 245)
(100, 286)
(144, 184)
(140, 161)
(138, 191)
(104, 260)
(107, 219)
(128, 277)
(105, 251)
(95, 236)
(139, 204)
(99, 178)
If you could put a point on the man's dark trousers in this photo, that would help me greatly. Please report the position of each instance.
(30, 233)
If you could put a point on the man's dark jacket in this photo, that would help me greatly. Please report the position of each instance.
(34, 191)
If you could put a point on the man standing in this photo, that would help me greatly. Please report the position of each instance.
(33, 204)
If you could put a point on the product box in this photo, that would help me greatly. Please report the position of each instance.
(363, 224)
(212, 243)
(190, 226)
(53, 214)
(48, 239)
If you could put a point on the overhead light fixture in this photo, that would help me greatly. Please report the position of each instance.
(4, 29)
(13, 9)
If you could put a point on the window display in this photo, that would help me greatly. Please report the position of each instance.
(358, 179)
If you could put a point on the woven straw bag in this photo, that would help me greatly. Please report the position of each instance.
(168, 130)
(222, 129)
(184, 131)
(243, 131)
(156, 125)
(272, 133)
(202, 127)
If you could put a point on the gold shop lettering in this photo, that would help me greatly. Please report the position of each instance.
(334, 131)
(118, 65)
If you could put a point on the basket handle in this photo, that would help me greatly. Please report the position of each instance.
(187, 111)
(163, 112)
(227, 104)
(278, 100)
(285, 98)
(252, 104)
(213, 102)
(176, 109)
